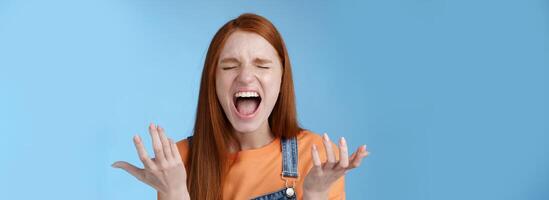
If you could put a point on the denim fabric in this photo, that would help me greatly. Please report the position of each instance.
(289, 157)
(278, 195)
(289, 170)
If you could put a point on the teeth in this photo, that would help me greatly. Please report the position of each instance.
(246, 94)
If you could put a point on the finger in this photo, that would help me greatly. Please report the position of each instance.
(343, 154)
(316, 157)
(329, 151)
(175, 151)
(352, 157)
(157, 144)
(143, 156)
(357, 161)
(358, 150)
(165, 144)
(361, 153)
(131, 169)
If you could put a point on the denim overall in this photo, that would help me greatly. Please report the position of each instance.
(289, 172)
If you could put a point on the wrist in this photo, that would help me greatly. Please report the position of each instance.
(310, 195)
(176, 195)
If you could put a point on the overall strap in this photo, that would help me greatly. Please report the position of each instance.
(289, 157)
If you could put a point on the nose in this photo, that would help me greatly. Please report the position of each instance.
(246, 75)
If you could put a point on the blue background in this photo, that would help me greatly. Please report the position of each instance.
(450, 96)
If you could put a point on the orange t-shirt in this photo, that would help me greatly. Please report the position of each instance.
(256, 172)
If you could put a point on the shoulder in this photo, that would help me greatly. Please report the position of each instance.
(306, 139)
(183, 148)
(184, 142)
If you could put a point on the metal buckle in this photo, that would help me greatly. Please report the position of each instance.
(290, 191)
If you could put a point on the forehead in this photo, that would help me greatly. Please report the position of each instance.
(243, 45)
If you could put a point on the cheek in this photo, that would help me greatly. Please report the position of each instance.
(271, 85)
(222, 85)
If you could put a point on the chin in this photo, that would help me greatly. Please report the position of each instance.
(246, 127)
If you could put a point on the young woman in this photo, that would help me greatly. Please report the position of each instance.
(246, 142)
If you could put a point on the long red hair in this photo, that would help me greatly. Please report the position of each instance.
(208, 161)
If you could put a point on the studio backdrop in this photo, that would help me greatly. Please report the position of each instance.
(451, 96)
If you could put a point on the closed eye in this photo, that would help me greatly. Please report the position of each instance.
(228, 68)
(263, 67)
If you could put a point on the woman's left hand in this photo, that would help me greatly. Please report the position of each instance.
(321, 176)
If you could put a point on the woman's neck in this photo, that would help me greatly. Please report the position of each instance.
(256, 139)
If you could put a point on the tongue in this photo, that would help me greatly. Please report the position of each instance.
(246, 106)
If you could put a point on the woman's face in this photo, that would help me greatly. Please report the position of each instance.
(248, 78)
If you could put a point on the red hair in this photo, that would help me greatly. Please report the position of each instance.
(212, 132)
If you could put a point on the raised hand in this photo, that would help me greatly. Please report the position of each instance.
(321, 176)
(166, 172)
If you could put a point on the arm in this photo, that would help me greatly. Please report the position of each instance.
(182, 196)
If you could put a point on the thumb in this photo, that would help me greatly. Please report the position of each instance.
(131, 169)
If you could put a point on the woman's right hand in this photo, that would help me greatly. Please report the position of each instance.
(166, 172)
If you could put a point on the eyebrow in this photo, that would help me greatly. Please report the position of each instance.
(229, 60)
(262, 61)
(256, 60)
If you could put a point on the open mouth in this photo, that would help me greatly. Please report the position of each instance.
(246, 103)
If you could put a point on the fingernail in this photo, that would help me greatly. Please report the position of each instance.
(114, 165)
(326, 137)
(343, 141)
